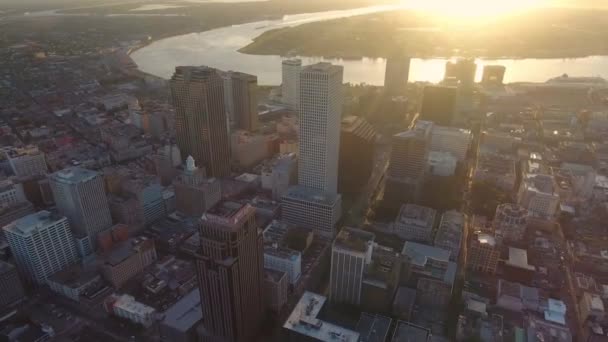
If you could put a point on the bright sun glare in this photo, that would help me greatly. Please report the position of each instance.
(466, 9)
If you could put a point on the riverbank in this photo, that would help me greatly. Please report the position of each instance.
(86, 29)
(546, 33)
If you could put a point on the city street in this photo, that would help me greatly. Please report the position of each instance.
(567, 266)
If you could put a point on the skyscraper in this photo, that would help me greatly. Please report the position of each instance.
(290, 88)
(438, 104)
(200, 117)
(42, 245)
(244, 95)
(80, 196)
(320, 117)
(228, 98)
(462, 71)
(407, 167)
(230, 269)
(356, 161)
(493, 74)
(396, 75)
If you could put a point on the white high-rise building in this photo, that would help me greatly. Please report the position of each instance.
(320, 122)
(80, 196)
(350, 254)
(42, 245)
(290, 88)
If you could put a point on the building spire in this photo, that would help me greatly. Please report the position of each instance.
(190, 164)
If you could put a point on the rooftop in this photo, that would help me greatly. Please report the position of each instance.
(285, 162)
(322, 67)
(411, 134)
(519, 258)
(358, 126)
(228, 213)
(124, 250)
(495, 163)
(557, 305)
(275, 231)
(293, 62)
(354, 239)
(595, 301)
(416, 214)
(14, 152)
(248, 177)
(273, 275)
(74, 277)
(517, 290)
(510, 211)
(423, 126)
(194, 74)
(405, 299)
(29, 224)
(128, 303)
(303, 193)
(486, 239)
(420, 253)
(282, 252)
(373, 328)
(539, 183)
(6, 185)
(243, 76)
(452, 217)
(450, 230)
(73, 175)
(450, 130)
(185, 313)
(303, 320)
(261, 203)
(408, 332)
(584, 80)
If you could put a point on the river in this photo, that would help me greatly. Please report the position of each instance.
(218, 48)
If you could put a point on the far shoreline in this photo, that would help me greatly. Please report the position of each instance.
(344, 38)
(244, 49)
(424, 57)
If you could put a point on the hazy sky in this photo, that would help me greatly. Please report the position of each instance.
(50, 4)
(590, 3)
